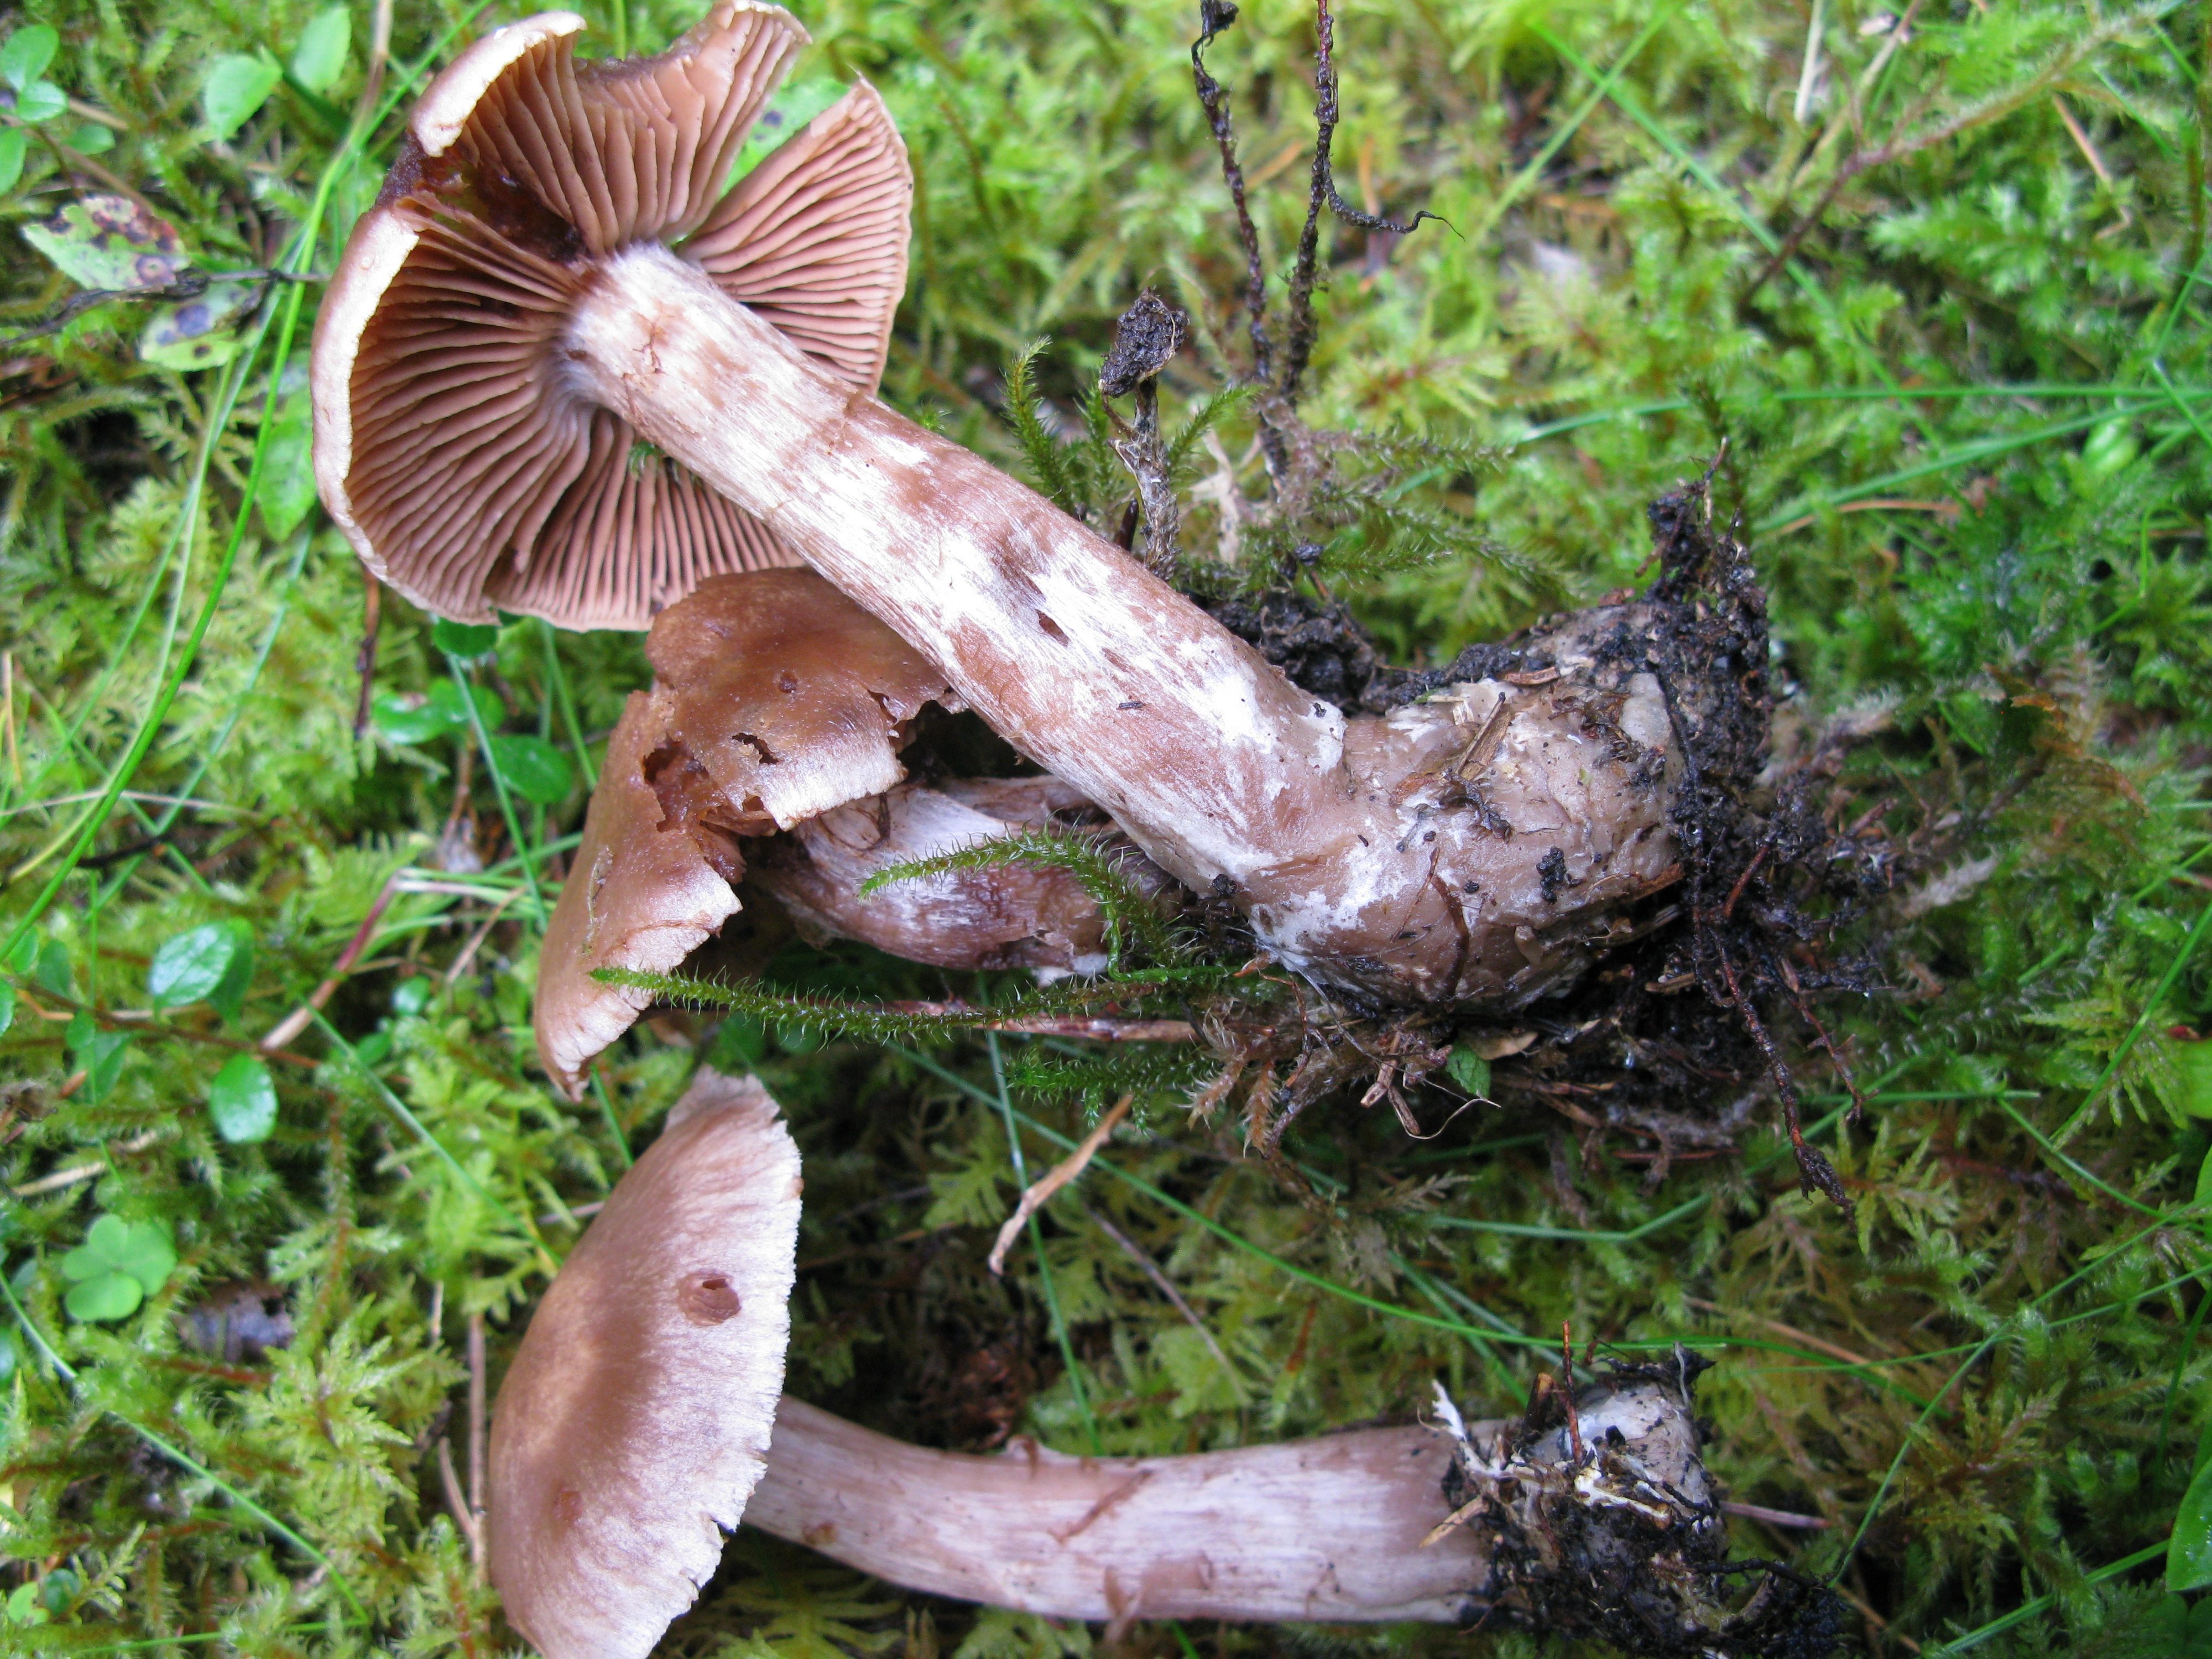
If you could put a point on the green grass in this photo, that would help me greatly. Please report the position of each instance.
(1967, 401)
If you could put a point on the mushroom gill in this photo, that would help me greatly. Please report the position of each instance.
(452, 447)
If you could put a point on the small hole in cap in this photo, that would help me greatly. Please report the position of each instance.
(568, 1506)
(707, 1299)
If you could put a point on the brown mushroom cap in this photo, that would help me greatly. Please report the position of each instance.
(634, 898)
(635, 1421)
(783, 698)
(779, 698)
(452, 446)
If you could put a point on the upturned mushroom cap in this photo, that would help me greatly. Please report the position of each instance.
(634, 898)
(778, 699)
(635, 1421)
(452, 445)
(782, 697)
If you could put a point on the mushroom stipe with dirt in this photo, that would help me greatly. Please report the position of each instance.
(636, 1420)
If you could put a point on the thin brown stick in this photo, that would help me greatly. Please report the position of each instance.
(1167, 1288)
(364, 660)
(1040, 1191)
(1777, 1517)
(463, 1514)
(130, 1021)
(303, 1016)
(76, 1172)
(380, 54)
(475, 939)
(477, 1438)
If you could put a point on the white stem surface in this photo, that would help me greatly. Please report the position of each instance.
(1326, 1529)
(1096, 668)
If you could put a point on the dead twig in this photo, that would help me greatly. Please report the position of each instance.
(1040, 1191)
(300, 1018)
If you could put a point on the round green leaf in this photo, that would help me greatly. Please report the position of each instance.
(104, 1241)
(1470, 1071)
(533, 768)
(236, 86)
(321, 56)
(192, 967)
(464, 639)
(147, 1256)
(41, 101)
(110, 1296)
(90, 138)
(14, 145)
(242, 1100)
(27, 54)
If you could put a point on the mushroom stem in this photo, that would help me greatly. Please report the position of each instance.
(1591, 1516)
(1321, 1529)
(1096, 668)
(1379, 855)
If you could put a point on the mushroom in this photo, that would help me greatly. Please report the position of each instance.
(1464, 852)
(991, 916)
(453, 445)
(636, 1419)
(779, 705)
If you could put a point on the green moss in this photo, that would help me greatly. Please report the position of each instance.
(1969, 431)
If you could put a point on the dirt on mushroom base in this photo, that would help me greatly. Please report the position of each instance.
(1700, 989)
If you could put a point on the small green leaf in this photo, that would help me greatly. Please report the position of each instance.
(23, 1605)
(2189, 1553)
(536, 770)
(2192, 1063)
(25, 958)
(288, 468)
(27, 54)
(54, 973)
(192, 967)
(199, 333)
(242, 1100)
(14, 146)
(464, 639)
(41, 101)
(237, 86)
(7, 1006)
(140, 1250)
(321, 56)
(90, 138)
(108, 1295)
(100, 1053)
(109, 242)
(441, 713)
(1470, 1071)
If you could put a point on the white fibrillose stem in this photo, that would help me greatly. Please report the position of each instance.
(1419, 856)
(1326, 1529)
